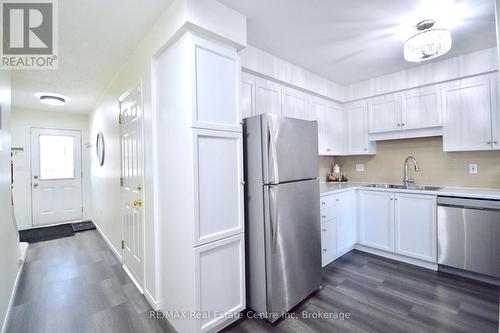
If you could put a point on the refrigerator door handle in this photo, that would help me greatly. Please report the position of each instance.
(274, 217)
(273, 130)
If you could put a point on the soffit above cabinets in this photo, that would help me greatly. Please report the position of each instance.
(351, 41)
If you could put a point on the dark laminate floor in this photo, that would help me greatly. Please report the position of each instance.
(386, 296)
(76, 284)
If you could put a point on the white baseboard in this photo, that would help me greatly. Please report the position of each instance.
(12, 296)
(398, 257)
(155, 304)
(108, 242)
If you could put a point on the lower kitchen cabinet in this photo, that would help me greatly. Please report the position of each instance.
(346, 221)
(338, 225)
(415, 226)
(376, 219)
(401, 223)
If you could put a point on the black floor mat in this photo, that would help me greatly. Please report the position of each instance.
(82, 226)
(47, 233)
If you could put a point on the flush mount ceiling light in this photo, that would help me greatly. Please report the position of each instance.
(428, 43)
(52, 100)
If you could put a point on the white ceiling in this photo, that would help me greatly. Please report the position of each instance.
(96, 38)
(351, 41)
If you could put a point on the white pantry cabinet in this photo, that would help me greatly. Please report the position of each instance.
(401, 223)
(376, 219)
(200, 191)
(415, 226)
(296, 104)
(357, 124)
(468, 116)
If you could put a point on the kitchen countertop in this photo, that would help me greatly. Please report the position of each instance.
(465, 192)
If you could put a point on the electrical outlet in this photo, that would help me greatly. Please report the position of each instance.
(360, 167)
(473, 168)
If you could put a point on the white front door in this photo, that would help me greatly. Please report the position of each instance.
(131, 181)
(56, 171)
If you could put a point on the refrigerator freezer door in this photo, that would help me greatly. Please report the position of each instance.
(290, 149)
(293, 244)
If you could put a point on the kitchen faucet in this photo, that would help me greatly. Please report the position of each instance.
(407, 178)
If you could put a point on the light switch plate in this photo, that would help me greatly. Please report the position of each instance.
(473, 168)
(360, 167)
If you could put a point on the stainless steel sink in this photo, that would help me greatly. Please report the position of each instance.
(405, 187)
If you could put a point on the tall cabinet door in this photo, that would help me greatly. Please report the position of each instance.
(319, 112)
(376, 219)
(346, 221)
(295, 104)
(337, 127)
(467, 123)
(267, 97)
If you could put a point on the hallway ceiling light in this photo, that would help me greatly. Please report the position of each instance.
(52, 100)
(428, 43)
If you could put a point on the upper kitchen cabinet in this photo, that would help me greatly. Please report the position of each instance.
(384, 114)
(409, 114)
(295, 104)
(247, 96)
(421, 109)
(217, 105)
(332, 127)
(357, 124)
(267, 97)
(468, 116)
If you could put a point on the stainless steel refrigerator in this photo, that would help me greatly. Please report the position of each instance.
(282, 213)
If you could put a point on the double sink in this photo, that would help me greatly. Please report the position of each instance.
(405, 187)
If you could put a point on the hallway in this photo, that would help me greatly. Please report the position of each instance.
(76, 284)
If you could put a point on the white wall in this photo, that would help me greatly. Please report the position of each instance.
(9, 245)
(21, 123)
(105, 181)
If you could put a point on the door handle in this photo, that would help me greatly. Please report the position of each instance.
(138, 203)
(138, 187)
(35, 184)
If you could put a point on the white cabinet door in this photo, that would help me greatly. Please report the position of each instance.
(332, 127)
(328, 241)
(385, 114)
(267, 97)
(376, 219)
(218, 177)
(247, 96)
(219, 281)
(346, 221)
(415, 226)
(358, 130)
(217, 85)
(467, 122)
(295, 104)
(495, 114)
(421, 109)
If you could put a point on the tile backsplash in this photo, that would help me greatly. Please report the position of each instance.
(436, 167)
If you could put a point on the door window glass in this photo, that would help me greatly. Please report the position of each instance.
(57, 157)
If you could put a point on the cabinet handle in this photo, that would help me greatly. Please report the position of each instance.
(322, 202)
(323, 229)
(495, 142)
(328, 149)
(488, 142)
(366, 149)
(399, 125)
(337, 200)
(323, 217)
(402, 124)
(392, 199)
(324, 250)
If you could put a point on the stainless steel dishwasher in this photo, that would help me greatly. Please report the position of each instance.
(469, 235)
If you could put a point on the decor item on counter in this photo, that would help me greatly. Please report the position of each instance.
(334, 175)
(100, 148)
(428, 43)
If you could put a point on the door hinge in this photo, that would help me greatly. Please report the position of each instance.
(120, 119)
(123, 244)
(121, 181)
